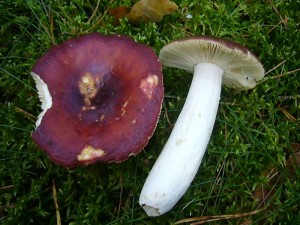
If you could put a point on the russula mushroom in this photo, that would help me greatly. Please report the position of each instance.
(213, 61)
(101, 99)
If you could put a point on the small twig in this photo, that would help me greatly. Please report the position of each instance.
(185, 31)
(6, 207)
(287, 73)
(16, 128)
(280, 75)
(269, 194)
(48, 31)
(18, 79)
(121, 194)
(206, 219)
(25, 113)
(167, 117)
(58, 220)
(94, 13)
(99, 21)
(52, 28)
(282, 21)
(8, 187)
(287, 114)
(275, 67)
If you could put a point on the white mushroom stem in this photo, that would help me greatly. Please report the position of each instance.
(181, 157)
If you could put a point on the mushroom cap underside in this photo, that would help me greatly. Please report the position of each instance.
(241, 67)
(106, 94)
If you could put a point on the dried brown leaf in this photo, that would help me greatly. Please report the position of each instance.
(293, 161)
(119, 13)
(295, 147)
(264, 194)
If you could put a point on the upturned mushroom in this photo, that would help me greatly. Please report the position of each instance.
(101, 98)
(213, 61)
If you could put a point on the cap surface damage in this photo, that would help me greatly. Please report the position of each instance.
(241, 67)
(101, 97)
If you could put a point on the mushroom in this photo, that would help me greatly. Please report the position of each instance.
(101, 98)
(214, 61)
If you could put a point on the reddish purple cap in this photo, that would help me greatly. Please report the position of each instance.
(101, 99)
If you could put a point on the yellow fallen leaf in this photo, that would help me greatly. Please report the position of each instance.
(150, 10)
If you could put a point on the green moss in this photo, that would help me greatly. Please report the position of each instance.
(253, 132)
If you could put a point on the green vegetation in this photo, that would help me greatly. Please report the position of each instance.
(250, 152)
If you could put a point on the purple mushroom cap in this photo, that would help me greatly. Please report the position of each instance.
(101, 97)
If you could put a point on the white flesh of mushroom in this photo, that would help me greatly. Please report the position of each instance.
(181, 157)
(44, 96)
